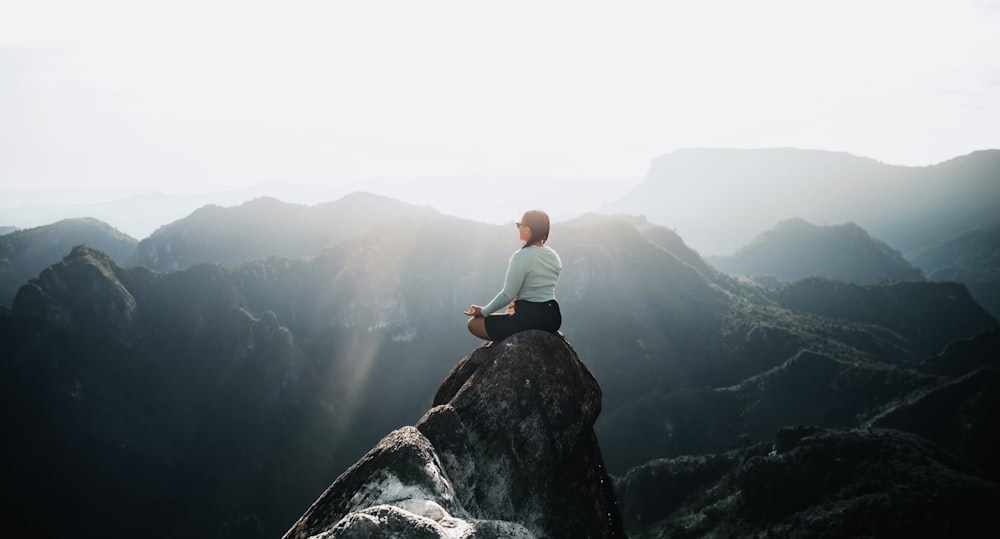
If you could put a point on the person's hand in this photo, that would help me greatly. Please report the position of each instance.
(510, 308)
(474, 310)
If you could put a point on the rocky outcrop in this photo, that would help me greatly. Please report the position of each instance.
(508, 450)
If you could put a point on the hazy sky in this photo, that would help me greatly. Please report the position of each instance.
(194, 96)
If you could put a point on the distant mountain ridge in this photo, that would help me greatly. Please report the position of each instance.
(254, 230)
(140, 214)
(796, 249)
(266, 227)
(717, 199)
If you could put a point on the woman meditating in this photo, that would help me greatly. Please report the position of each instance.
(529, 290)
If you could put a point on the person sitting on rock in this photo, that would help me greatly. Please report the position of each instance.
(528, 290)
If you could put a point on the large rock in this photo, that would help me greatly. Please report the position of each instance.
(508, 450)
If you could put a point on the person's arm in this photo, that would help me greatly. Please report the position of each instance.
(511, 285)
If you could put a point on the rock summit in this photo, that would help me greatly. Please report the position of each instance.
(507, 450)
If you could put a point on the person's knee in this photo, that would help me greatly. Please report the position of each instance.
(474, 325)
(477, 327)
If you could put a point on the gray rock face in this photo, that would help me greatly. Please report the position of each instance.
(508, 450)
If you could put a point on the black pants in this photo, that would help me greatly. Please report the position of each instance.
(527, 315)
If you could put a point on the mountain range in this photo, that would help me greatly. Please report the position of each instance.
(719, 199)
(139, 214)
(213, 379)
(218, 400)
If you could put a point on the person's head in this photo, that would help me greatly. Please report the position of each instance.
(534, 227)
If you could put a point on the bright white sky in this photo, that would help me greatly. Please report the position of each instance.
(183, 96)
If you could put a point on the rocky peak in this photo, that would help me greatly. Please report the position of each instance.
(84, 292)
(507, 450)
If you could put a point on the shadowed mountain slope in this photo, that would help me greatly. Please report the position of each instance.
(976, 249)
(808, 388)
(937, 479)
(965, 355)
(795, 249)
(25, 253)
(961, 416)
(930, 315)
(971, 258)
(813, 483)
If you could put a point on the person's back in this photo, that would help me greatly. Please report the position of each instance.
(529, 287)
(540, 266)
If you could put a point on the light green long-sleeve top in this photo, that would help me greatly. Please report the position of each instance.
(531, 275)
